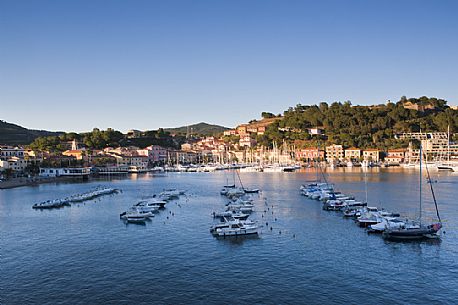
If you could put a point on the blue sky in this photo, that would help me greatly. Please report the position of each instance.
(75, 65)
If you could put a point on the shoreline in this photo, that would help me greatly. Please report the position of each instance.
(19, 182)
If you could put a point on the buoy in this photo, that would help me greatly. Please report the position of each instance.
(270, 228)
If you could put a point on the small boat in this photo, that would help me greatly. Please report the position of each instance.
(153, 205)
(386, 222)
(368, 219)
(136, 218)
(252, 191)
(237, 228)
(227, 221)
(349, 212)
(236, 214)
(136, 213)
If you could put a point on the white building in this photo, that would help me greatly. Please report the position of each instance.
(6, 152)
(68, 172)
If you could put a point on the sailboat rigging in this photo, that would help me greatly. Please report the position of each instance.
(414, 231)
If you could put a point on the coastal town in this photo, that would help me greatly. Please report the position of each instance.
(228, 152)
(235, 147)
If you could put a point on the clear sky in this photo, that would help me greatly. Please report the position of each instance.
(75, 65)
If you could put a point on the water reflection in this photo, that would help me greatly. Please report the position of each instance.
(87, 247)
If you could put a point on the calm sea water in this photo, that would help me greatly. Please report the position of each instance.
(84, 254)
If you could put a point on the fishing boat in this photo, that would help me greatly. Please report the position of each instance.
(422, 231)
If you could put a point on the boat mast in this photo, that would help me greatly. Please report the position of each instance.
(448, 144)
(317, 156)
(421, 177)
(432, 193)
(365, 182)
(243, 188)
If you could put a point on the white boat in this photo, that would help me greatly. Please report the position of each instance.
(238, 228)
(227, 221)
(240, 207)
(136, 215)
(423, 231)
(386, 222)
(237, 214)
(151, 206)
(136, 218)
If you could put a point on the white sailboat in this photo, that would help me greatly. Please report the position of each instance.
(421, 231)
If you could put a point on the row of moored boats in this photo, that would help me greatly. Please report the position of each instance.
(58, 203)
(233, 220)
(146, 209)
(391, 225)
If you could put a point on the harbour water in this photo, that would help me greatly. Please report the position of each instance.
(84, 254)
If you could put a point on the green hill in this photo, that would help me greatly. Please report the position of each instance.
(198, 129)
(12, 134)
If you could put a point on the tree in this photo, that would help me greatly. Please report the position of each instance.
(267, 115)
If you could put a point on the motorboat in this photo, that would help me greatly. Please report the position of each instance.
(136, 213)
(136, 218)
(237, 228)
(236, 214)
(227, 221)
(368, 219)
(151, 206)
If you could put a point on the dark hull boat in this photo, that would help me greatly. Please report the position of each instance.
(422, 232)
(405, 234)
(252, 191)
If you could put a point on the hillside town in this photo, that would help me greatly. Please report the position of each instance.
(233, 148)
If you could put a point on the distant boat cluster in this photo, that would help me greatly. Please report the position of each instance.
(243, 167)
(58, 203)
(375, 220)
(146, 209)
(234, 219)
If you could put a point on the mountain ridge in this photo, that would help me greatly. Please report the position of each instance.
(12, 134)
(201, 128)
